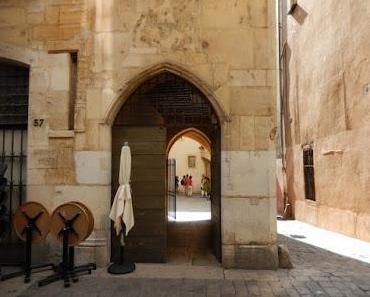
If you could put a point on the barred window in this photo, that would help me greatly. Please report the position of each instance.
(309, 174)
(13, 94)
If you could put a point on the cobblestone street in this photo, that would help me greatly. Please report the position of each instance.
(316, 273)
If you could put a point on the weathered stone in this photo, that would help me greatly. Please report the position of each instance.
(93, 167)
(253, 257)
(248, 78)
(284, 257)
(237, 167)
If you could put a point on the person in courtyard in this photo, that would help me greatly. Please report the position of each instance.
(182, 182)
(207, 188)
(202, 186)
(190, 186)
(186, 185)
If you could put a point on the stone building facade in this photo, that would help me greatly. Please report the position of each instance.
(85, 59)
(326, 88)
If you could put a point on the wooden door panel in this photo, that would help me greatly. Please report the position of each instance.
(145, 147)
(146, 242)
(153, 201)
(171, 188)
(120, 133)
(216, 193)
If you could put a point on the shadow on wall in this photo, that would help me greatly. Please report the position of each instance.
(299, 14)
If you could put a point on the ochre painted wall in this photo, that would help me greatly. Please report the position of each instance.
(328, 75)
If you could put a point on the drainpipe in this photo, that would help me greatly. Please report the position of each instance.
(280, 101)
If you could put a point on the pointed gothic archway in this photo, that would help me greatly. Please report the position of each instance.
(165, 67)
(158, 109)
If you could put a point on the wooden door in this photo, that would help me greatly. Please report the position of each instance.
(216, 192)
(147, 241)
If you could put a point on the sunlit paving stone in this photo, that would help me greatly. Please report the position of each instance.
(187, 216)
(331, 241)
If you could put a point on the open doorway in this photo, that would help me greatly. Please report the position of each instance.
(161, 110)
(189, 178)
(189, 207)
(189, 199)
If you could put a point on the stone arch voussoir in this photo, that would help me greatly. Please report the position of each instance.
(152, 71)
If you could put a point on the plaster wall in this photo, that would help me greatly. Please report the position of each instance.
(225, 48)
(328, 78)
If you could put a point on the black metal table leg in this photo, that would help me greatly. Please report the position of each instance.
(27, 267)
(27, 277)
(67, 269)
(65, 263)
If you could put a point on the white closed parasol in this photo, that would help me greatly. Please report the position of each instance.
(122, 210)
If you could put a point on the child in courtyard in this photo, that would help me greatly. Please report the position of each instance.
(190, 186)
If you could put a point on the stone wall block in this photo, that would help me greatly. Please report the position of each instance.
(264, 133)
(45, 32)
(264, 48)
(93, 108)
(52, 15)
(36, 177)
(213, 14)
(248, 78)
(257, 101)
(60, 176)
(35, 18)
(246, 173)
(223, 49)
(93, 167)
(239, 228)
(42, 194)
(57, 103)
(39, 80)
(256, 257)
(232, 134)
(70, 15)
(257, 14)
(247, 135)
(12, 16)
(42, 159)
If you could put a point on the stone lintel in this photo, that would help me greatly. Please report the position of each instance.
(61, 133)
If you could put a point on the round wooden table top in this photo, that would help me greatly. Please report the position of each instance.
(39, 214)
(78, 219)
(90, 215)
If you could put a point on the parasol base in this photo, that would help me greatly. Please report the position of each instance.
(122, 268)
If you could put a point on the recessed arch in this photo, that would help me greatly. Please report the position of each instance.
(153, 71)
(7, 61)
(194, 134)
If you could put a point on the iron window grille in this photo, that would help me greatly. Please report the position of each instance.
(309, 174)
(14, 89)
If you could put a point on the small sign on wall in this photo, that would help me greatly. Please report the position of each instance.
(191, 161)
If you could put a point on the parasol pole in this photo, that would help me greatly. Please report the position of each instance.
(123, 266)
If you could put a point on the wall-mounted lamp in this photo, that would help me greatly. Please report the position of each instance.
(291, 5)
